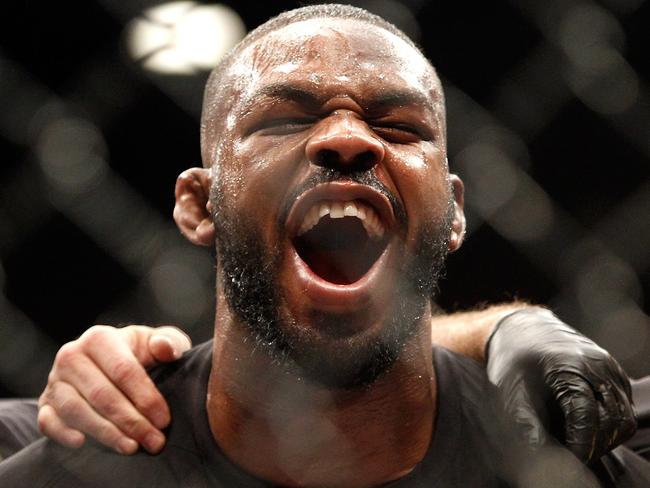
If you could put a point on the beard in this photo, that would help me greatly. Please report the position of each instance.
(254, 294)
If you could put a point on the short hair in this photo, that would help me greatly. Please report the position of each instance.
(213, 101)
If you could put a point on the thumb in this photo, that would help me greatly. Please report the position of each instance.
(168, 343)
(528, 425)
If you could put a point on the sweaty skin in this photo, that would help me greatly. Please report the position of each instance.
(285, 123)
(300, 111)
(98, 384)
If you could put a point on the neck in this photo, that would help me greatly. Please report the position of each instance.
(282, 428)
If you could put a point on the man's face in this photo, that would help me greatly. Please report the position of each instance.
(332, 196)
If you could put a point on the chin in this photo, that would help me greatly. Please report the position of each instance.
(349, 349)
(293, 292)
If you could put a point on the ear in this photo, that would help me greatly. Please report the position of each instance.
(458, 225)
(191, 211)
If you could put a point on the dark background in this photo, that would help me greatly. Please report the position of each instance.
(549, 126)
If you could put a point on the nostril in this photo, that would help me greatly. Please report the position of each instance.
(331, 159)
(327, 157)
(365, 160)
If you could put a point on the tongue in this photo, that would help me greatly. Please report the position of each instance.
(338, 250)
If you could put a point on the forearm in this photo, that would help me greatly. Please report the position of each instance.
(467, 332)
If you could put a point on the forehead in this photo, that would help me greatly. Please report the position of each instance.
(334, 54)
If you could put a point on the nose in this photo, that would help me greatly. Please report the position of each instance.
(344, 142)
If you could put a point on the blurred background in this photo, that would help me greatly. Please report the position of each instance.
(549, 126)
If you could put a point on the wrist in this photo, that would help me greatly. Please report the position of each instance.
(517, 318)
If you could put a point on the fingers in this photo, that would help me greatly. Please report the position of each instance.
(100, 379)
(628, 416)
(168, 343)
(598, 416)
(51, 425)
(581, 416)
(623, 392)
(617, 422)
(107, 384)
(608, 420)
(520, 407)
(109, 403)
(590, 388)
(117, 364)
(65, 406)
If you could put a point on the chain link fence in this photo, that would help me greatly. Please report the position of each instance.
(549, 126)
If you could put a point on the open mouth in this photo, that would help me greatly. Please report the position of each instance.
(340, 241)
(341, 231)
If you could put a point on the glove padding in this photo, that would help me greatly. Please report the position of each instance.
(551, 376)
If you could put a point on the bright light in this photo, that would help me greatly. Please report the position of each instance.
(184, 37)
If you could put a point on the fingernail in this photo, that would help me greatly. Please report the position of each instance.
(153, 442)
(160, 419)
(173, 349)
(127, 446)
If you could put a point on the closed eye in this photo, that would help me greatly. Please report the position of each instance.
(283, 125)
(399, 133)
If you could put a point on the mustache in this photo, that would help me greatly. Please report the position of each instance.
(328, 175)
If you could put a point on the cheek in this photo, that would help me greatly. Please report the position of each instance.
(258, 173)
(422, 180)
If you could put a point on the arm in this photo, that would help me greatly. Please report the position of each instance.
(549, 375)
(520, 364)
(99, 386)
(467, 333)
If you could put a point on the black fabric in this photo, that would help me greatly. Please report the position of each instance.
(624, 468)
(628, 466)
(641, 396)
(471, 447)
(466, 449)
(17, 425)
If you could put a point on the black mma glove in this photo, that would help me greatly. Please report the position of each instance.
(551, 376)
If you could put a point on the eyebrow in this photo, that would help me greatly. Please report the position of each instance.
(290, 93)
(312, 100)
(399, 98)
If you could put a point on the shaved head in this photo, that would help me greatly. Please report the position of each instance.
(220, 88)
(328, 104)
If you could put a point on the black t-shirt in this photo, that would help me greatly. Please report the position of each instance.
(17, 425)
(470, 448)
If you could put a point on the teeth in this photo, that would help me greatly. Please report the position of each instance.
(323, 210)
(312, 217)
(338, 210)
(350, 209)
